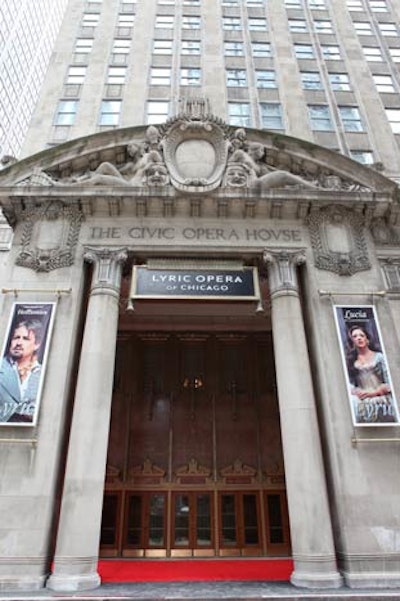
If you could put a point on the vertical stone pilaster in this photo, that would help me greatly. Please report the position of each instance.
(75, 562)
(310, 521)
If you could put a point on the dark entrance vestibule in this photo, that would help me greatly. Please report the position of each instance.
(195, 464)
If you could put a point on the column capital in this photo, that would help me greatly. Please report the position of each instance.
(107, 262)
(282, 271)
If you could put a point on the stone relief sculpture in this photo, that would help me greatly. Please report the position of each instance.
(194, 153)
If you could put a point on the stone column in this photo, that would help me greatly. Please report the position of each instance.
(309, 516)
(77, 547)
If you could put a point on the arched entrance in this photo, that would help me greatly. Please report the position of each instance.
(195, 463)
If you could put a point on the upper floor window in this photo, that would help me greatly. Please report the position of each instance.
(362, 156)
(76, 75)
(297, 25)
(323, 26)
(239, 114)
(190, 22)
(393, 116)
(162, 47)
(293, 3)
(395, 54)
(331, 53)
(231, 23)
(160, 76)
(120, 51)
(362, 27)
(372, 54)
(190, 47)
(388, 29)
(191, 2)
(127, 7)
(157, 111)
(311, 80)
(355, 5)
(257, 24)
(271, 115)
(83, 45)
(317, 4)
(320, 117)
(265, 79)
(190, 77)
(236, 77)
(383, 83)
(90, 20)
(233, 49)
(378, 6)
(255, 3)
(261, 49)
(116, 75)
(66, 112)
(125, 20)
(303, 51)
(230, 2)
(339, 82)
(351, 118)
(164, 21)
(110, 112)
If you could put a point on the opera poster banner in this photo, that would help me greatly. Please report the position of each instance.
(23, 362)
(369, 384)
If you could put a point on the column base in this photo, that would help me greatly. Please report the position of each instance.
(73, 583)
(377, 580)
(316, 572)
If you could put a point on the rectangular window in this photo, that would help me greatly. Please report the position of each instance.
(355, 5)
(372, 54)
(388, 29)
(362, 27)
(331, 53)
(157, 111)
(190, 77)
(231, 24)
(293, 3)
(126, 20)
(110, 112)
(66, 112)
(261, 49)
(311, 80)
(160, 76)
(255, 3)
(162, 47)
(265, 79)
(236, 77)
(320, 118)
(365, 157)
(127, 7)
(303, 51)
(323, 26)
(190, 22)
(164, 22)
(383, 83)
(239, 114)
(76, 75)
(297, 26)
(393, 116)
(257, 24)
(271, 115)
(83, 45)
(317, 4)
(120, 51)
(351, 118)
(233, 49)
(230, 2)
(90, 20)
(116, 75)
(339, 82)
(190, 47)
(395, 54)
(378, 6)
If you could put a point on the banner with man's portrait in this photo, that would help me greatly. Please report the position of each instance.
(369, 385)
(23, 362)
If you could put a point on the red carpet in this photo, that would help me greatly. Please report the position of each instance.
(174, 570)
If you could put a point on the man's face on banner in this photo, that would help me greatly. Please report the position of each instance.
(23, 344)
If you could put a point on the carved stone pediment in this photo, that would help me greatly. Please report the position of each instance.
(50, 235)
(113, 474)
(147, 473)
(192, 473)
(194, 153)
(338, 240)
(238, 473)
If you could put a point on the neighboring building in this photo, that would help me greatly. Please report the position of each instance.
(28, 31)
(200, 307)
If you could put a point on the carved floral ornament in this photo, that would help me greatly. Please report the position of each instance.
(196, 154)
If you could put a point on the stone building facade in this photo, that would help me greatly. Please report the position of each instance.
(186, 408)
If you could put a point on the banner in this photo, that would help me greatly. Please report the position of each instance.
(23, 362)
(369, 384)
(213, 284)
